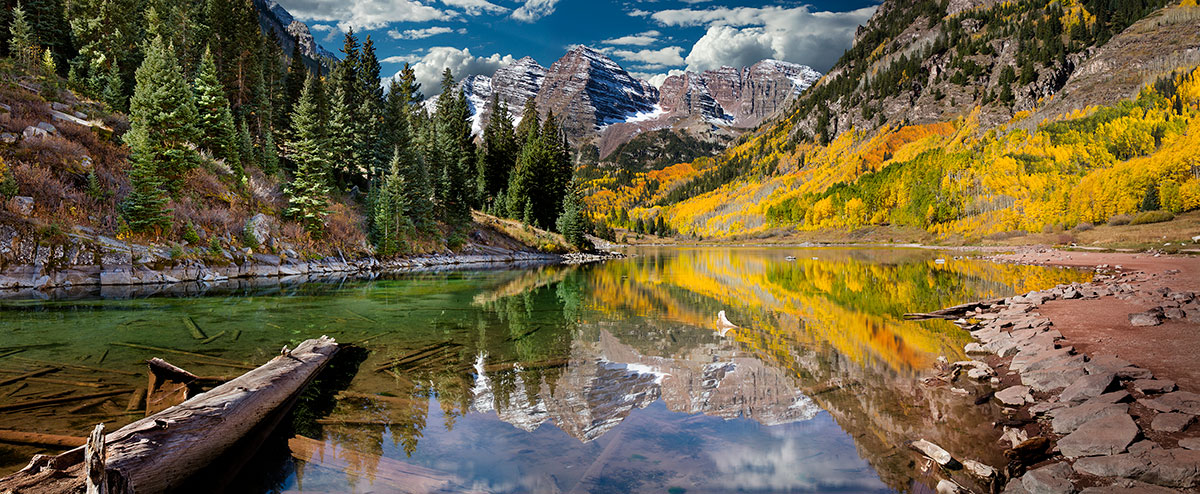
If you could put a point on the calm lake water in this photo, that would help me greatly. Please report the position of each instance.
(614, 377)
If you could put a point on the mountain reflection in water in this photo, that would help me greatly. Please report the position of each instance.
(618, 378)
(615, 377)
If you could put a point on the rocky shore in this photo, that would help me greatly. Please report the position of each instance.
(1078, 421)
(87, 264)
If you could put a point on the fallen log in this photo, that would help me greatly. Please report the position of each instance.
(415, 356)
(172, 350)
(58, 401)
(160, 452)
(39, 439)
(28, 375)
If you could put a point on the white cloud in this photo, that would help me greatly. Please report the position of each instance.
(744, 35)
(476, 7)
(401, 59)
(419, 33)
(367, 14)
(671, 56)
(533, 10)
(462, 63)
(656, 80)
(641, 39)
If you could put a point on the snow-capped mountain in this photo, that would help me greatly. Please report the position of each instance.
(273, 18)
(598, 102)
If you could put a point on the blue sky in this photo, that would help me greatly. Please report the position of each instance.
(648, 38)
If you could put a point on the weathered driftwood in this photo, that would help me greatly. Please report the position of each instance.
(160, 452)
(39, 439)
(57, 401)
(95, 452)
(167, 386)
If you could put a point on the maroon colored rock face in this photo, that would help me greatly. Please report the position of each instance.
(588, 91)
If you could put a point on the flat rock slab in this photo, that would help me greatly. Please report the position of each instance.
(1142, 319)
(1050, 479)
(1125, 486)
(941, 456)
(1178, 401)
(1118, 396)
(1101, 436)
(1052, 377)
(1087, 387)
(1148, 386)
(1192, 443)
(1179, 468)
(1067, 420)
(1014, 396)
(1171, 422)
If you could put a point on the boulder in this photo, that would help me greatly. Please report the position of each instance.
(21, 205)
(1014, 396)
(1067, 420)
(1101, 436)
(1178, 401)
(1148, 386)
(259, 227)
(48, 127)
(8, 137)
(947, 487)
(1142, 319)
(933, 451)
(979, 470)
(1087, 387)
(1171, 422)
(1050, 479)
(31, 132)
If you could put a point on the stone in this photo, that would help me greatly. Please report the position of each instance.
(1118, 396)
(59, 106)
(5, 108)
(1178, 401)
(1125, 465)
(31, 132)
(22, 205)
(1124, 486)
(1015, 487)
(1143, 446)
(8, 137)
(947, 487)
(1045, 407)
(1101, 436)
(974, 348)
(48, 127)
(979, 470)
(259, 228)
(1171, 422)
(1067, 420)
(1192, 443)
(1174, 313)
(1014, 396)
(1014, 436)
(1050, 479)
(1053, 377)
(939, 455)
(1148, 386)
(1143, 319)
(1087, 387)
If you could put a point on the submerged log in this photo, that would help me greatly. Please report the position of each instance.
(158, 453)
(167, 386)
(392, 475)
(39, 439)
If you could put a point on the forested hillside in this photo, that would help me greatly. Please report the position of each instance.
(961, 118)
(179, 121)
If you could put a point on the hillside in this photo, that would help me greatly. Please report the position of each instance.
(965, 119)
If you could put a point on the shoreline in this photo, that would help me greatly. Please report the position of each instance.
(1094, 402)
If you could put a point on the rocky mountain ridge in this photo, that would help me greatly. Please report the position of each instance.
(601, 104)
(274, 19)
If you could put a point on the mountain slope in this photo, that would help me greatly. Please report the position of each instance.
(942, 98)
(276, 20)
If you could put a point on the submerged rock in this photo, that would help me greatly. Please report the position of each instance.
(933, 451)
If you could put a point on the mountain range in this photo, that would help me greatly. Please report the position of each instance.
(600, 104)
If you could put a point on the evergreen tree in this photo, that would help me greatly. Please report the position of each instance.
(307, 193)
(572, 223)
(270, 154)
(341, 136)
(293, 87)
(369, 148)
(523, 180)
(144, 209)
(21, 43)
(453, 130)
(411, 91)
(162, 117)
(109, 34)
(530, 122)
(345, 75)
(559, 170)
(245, 149)
(114, 88)
(390, 207)
(217, 132)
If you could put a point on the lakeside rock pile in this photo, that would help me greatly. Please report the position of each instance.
(1099, 423)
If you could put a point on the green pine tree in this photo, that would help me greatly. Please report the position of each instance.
(389, 218)
(453, 128)
(309, 188)
(245, 149)
(21, 43)
(162, 117)
(293, 87)
(530, 122)
(114, 88)
(342, 133)
(572, 223)
(270, 154)
(144, 209)
(217, 132)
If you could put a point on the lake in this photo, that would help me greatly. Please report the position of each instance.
(614, 377)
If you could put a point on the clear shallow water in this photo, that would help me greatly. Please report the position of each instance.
(604, 378)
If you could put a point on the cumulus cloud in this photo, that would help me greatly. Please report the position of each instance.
(641, 39)
(462, 63)
(420, 33)
(533, 10)
(367, 14)
(476, 7)
(671, 56)
(744, 35)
